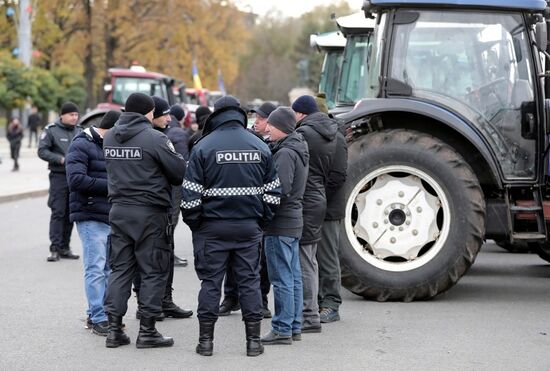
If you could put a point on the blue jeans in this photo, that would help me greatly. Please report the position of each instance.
(283, 266)
(95, 246)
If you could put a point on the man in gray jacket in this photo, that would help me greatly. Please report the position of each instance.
(53, 145)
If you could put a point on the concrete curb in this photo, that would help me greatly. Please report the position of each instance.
(21, 196)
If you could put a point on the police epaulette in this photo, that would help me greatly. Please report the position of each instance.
(52, 124)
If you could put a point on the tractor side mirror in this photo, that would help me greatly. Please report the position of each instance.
(541, 35)
(107, 88)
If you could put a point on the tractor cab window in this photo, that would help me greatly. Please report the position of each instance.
(353, 80)
(329, 75)
(125, 86)
(477, 65)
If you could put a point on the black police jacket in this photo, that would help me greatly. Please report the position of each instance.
(142, 164)
(54, 143)
(230, 175)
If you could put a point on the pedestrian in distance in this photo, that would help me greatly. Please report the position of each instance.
(89, 210)
(33, 125)
(15, 137)
(282, 234)
(329, 296)
(230, 190)
(161, 119)
(230, 301)
(52, 148)
(319, 131)
(201, 115)
(142, 167)
(180, 139)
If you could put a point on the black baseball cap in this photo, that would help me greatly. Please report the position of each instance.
(265, 109)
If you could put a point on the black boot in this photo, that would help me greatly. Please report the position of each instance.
(116, 337)
(170, 309)
(149, 337)
(254, 346)
(53, 257)
(228, 305)
(206, 338)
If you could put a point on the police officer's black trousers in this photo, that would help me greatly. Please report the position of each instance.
(218, 244)
(139, 244)
(230, 290)
(58, 201)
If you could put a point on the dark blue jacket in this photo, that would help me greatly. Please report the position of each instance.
(230, 175)
(87, 178)
(178, 136)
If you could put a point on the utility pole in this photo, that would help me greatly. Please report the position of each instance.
(24, 38)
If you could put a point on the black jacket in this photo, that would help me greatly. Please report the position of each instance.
(178, 136)
(319, 131)
(14, 135)
(87, 178)
(231, 175)
(337, 177)
(291, 158)
(142, 163)
(54, 143)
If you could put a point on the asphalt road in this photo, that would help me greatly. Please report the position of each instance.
(496, 318)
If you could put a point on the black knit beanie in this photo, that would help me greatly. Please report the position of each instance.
(139, 103)
(177, 111)
(68, 107)
(109, 119)
(161, 107)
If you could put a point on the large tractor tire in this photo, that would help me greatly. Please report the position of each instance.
(415, 217)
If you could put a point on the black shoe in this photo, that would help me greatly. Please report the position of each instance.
(179, 262)
(88, 325)
(170, 309)
(53, 257)
(116, 336)
(206, 338)
(297, 336)
(266, 313)
(254, 345)
(158, 318)
(275, 338)
(227, 306)
(149, 337)
(68, 254)
(312, 329)
(101, 328)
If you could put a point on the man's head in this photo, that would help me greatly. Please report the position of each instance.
(304, 106)
(161, 114)
(179, 113)
(201, 114)
(280, 123)
(108, 121)
(262, 113)
(226, 101)
(69, 113)
(140, 103)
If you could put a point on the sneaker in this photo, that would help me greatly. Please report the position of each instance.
(53, 257)
(179, 262)
(296, 336)
(312, 329)
(266, 313)
(329, 315)
(101, 328)
(275, 338)
(68, 254)
(88, 323)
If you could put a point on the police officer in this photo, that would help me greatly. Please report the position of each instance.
(142, 165)
(230, 190)
(161, 117)
(53, 145)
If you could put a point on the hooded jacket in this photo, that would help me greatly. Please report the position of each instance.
(319, 131)
(87, 178)
(231, 175)
(291, 158)
(142, 163)
(54, 143)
